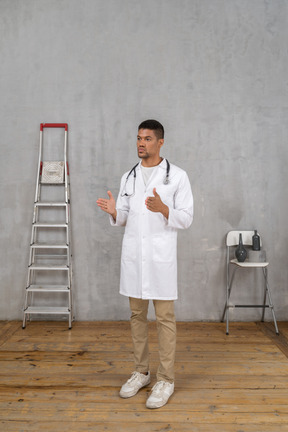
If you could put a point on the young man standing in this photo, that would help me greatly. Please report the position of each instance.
(155, 200)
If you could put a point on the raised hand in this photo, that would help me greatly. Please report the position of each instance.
(155, 204)
(108, 205)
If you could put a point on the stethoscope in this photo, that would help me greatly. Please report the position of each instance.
(133, 170)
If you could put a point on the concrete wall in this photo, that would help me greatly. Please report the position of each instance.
(214, 72)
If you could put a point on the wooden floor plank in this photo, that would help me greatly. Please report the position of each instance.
(91, 410)
(183, 356)
(28, 345)
(133, 426)
(192, 382)
(110, 394)
(100, 366)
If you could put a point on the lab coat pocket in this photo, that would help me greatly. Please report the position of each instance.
(163, 249)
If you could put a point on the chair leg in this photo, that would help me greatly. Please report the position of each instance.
(272, 310)
(226, 311)
(226, 308)
(265, 294)
(227, 322)
(271, 306)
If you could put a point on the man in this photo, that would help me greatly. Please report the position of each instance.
(155, 199)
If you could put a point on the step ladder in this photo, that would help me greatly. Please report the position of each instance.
(49, 280)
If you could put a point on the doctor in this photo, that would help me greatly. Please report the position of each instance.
(155, 200)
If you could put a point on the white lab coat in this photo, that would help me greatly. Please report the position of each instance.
(149, 248)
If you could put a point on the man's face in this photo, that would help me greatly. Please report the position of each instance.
(148, 145)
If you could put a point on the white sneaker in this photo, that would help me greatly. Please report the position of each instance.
(134, 384)
(160, 394)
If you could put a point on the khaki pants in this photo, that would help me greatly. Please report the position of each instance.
(166, 328)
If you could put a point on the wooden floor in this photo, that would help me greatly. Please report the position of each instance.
(55, 379)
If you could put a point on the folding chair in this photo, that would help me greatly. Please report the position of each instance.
(232, 240)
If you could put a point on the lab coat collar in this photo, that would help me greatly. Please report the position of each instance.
(161, 165)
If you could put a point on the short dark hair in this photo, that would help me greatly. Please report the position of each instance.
(153, 125)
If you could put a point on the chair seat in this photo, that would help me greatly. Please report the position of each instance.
(249, 264)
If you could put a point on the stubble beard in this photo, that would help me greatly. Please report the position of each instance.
(143, 155)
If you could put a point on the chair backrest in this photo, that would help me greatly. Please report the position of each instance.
(232, 238)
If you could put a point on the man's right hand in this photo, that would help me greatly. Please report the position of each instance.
(108, 205)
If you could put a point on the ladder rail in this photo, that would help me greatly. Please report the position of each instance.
(39, 168)
(66, 167)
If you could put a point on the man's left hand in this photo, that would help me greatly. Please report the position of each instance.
(156, 205)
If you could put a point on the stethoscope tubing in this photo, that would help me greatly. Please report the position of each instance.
(166, 181)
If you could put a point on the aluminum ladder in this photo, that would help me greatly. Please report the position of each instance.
(49, 280)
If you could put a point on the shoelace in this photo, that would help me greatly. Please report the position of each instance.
(134, 376)
(159, 386)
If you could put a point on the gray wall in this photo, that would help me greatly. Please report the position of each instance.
(214, 72)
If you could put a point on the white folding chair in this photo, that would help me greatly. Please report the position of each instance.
(232, 240)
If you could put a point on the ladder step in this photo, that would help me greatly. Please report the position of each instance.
(60, 183)
(49, 246)
(50, 225)
(50, 204)
(47, 310)
(48, 267)
(49, 257)
(48, 288)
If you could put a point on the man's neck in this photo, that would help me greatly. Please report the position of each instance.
(148, 163)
